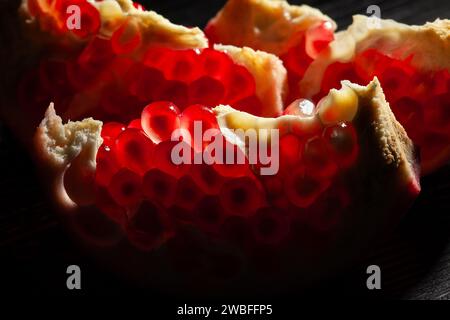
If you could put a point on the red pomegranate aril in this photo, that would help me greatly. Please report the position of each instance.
(149, 227)
(159, 120)
(135, 124)
(175, 91)
(300, 107)
(106, 165)
(89, 23)
(145, 83)
(335, 73)
(270, 226)
(126, 38)
(159, 187)
(241, 84)
(182, 67)
(165, 162)
(187, 193)
(302, 189)
(126, 188)
(109, 207)
(290, 147)
(215, 64)
(210, 214)
(207, 179)
(316, 157)
(207, 91)
(135, 150)
(318, 38)
(250, 104)
(343, 142)
(369, 63)
(409, 113)
(231, 160)
(202, 118)
(110, 132)
(297, 60)
(241, 196)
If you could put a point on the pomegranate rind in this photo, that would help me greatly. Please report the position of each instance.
(267, 25)
(428, 45)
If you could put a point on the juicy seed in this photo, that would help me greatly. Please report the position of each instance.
(241, 196)
(126, 187)
(316, 157)
(135, 150)
(187, 193)
(343, 143)
(202, 118)
(159, 120)
(159, 187)
(303, 189)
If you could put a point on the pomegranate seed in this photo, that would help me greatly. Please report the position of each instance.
(109, 207)
(250, 104)
(159, 120)
(182, 67)
(296, 59)
(335, 73)
(201, 116)
(175, 91)
(164, 160)
(302, 189)
(231, 162)
(149, 227)
(127, 38)
(135, 150)
(343, 142)
(241, 196)
(125, 187)
(207, 91)
(241, 84)
(146, 83)
(159, 187)
(110, 132)
(270, 226)
(209, 181)
(106, 165)
(187, 193)
(215, 63)
(316, 157)
(318, 38)
(290, 151)
(90, 17)
(135, 124)
(300, 107)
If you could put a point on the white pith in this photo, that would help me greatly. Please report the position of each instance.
(269, 25)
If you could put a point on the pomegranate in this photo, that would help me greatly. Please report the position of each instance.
(181, 158)
(297, 34)
(349, 165)
(412, 65)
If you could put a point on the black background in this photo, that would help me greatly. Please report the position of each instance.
(35, 251)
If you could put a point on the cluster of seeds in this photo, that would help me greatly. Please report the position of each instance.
(141, 188)
(420, 100)
(112, 79)
(299, 57)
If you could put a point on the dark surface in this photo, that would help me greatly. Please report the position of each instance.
(415, 261)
